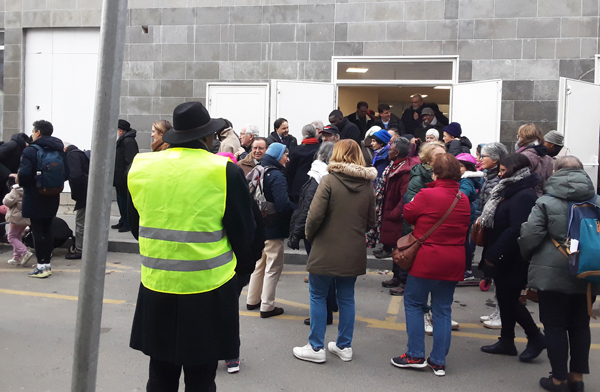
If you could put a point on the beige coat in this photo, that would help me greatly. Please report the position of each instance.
(14, 201)
(337, 236)
(229, 141)
(247, 164)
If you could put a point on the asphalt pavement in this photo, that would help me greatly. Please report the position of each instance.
(37, 322)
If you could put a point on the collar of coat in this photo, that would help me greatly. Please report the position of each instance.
(353, 170)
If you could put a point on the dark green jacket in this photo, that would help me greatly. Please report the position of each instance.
(549, 219)
(420, 176)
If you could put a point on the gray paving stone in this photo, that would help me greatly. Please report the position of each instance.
(2, 19)
(251, 70)
(442, 30)
(507, 48)
(493, 69)
(283, 70)
(248, 52)
(300, 32)
(546, 49)
(12, 52)
(434, 10)
(476, 9)
(227, 33)
(379, 12)
(212, 15)
(374, 31)
(39, 19)
(144, 52)
(515, 8)
(354, 12)
(89, 5)
(251, 33)
(451, 9)
(450, 47)
(318, 32)
(414, 10)
(12, 103)
(171, 70)
(348, 48)
(589, 47)
(466, 29)
(226, 70)
(280, 14)
(91, 18)
(475, 49)
(536, 69)
(565, 8)
(529, 47)
(389, 48)
(419, 48)
(176, 88)
(495, 28)
(14, 6)
(303, 51)
(202, 70)
(211, 52)
(12, 20)
(579, 27)
(12, 69)
(577, 69)
(136, 105)
(12, 120)
(144, 88)
(246, 15)
(284, 51)
(517, 90)
(65, 18)
(174, 34)
(145, 17)
(589, 8)
(136, 35)
(207, 34)
(39, 5)
(545, 90)
(178, 16)
(282, 32)
(177, 52)
(538, 28)
(341, 32)
(124, 88)
(411, 30)
(140, 69)
(321, 51)
(568, 48)
(316, 13)
(535, 110)
(507, 110)
(317, 70)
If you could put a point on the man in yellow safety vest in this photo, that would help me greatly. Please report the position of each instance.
(195, 215)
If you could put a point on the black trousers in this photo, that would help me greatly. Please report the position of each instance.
(164, 377)
(122, 200)
(41, 230)
(567, 326)
(508, 291)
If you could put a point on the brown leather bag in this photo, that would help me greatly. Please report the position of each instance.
(408, 246)
(478, 233)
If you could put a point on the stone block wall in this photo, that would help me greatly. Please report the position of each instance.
(527, 43)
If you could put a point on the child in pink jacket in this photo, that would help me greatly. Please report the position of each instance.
(18, 224)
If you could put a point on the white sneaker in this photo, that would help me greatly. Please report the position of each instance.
(455, 325)
(428, 323)
(491, 316)
(306, 353)
(344, 354)
(12, 261)
(493, 323)
(25, 259)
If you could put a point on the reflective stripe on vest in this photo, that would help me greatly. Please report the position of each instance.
(180, 195)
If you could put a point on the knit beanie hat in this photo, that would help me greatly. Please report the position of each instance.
(453, 129)
(555, 137)
(276, 150)
(383, 135)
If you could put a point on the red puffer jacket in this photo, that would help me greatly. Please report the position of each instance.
(396, 185)
(442, 256)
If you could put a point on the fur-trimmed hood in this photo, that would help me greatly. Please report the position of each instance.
(353, 176)
(472, 174)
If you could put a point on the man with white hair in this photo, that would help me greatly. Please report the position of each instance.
(247, 135)
(318, 126)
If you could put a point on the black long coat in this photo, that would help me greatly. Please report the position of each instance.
(298, 166)
(127, 148)
(79, 170)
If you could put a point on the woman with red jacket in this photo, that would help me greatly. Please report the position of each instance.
(439, 265)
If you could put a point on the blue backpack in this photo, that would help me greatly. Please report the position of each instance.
(50, 173)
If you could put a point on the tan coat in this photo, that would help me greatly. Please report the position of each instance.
(337, 236)
(247, 164)
(14, 201)
(229, 141)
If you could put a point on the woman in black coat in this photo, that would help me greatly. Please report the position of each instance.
(509, 205)
(300, 160)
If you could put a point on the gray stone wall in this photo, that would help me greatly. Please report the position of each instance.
(527, 43)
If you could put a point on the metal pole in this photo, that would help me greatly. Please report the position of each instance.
(97, 220)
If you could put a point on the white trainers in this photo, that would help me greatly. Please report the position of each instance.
(345, 354)
(12, 261)
(306, 353)
(428, 323)
(455, 325)
(491, 316)
(25, 259)
(494, 322)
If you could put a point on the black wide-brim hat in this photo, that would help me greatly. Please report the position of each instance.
(191, 121)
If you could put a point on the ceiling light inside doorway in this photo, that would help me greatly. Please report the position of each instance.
(422, 95)
(442, 87)
(357, 70)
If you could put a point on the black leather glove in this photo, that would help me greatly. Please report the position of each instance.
(294, 242)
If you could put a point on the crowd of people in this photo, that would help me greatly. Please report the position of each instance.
(412, 175)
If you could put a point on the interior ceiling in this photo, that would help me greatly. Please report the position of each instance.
(402, 94)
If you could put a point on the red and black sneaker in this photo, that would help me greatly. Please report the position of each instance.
(409, 362)
(438, 370)
(233, 365)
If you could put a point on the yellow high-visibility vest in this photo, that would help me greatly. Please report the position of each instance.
(180, 195)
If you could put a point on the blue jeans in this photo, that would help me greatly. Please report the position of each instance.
(415, 298)
(318, 286)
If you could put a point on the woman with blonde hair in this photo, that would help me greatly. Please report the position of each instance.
(332, 259)
(158, 130)
(531, 144)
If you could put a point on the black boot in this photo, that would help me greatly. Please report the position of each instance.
(575, 386)
(535, 346)
(503, 346)
(549, 385)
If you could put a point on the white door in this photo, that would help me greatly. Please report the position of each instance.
(240, 103)
(579, 121)
(301, 103)
(60, 81)
(476, 106)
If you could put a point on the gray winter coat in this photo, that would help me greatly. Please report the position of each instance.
(549, 219)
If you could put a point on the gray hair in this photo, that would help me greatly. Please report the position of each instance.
(433, 132)
(402, 145)
(325, 151)
(567, 162)
(309, 131)
(252, 128)
(495, 150)
(317, 124)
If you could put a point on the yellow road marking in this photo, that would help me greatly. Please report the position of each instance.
(292, 303)
(393, 308)
(57, 296)
(113, 265)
